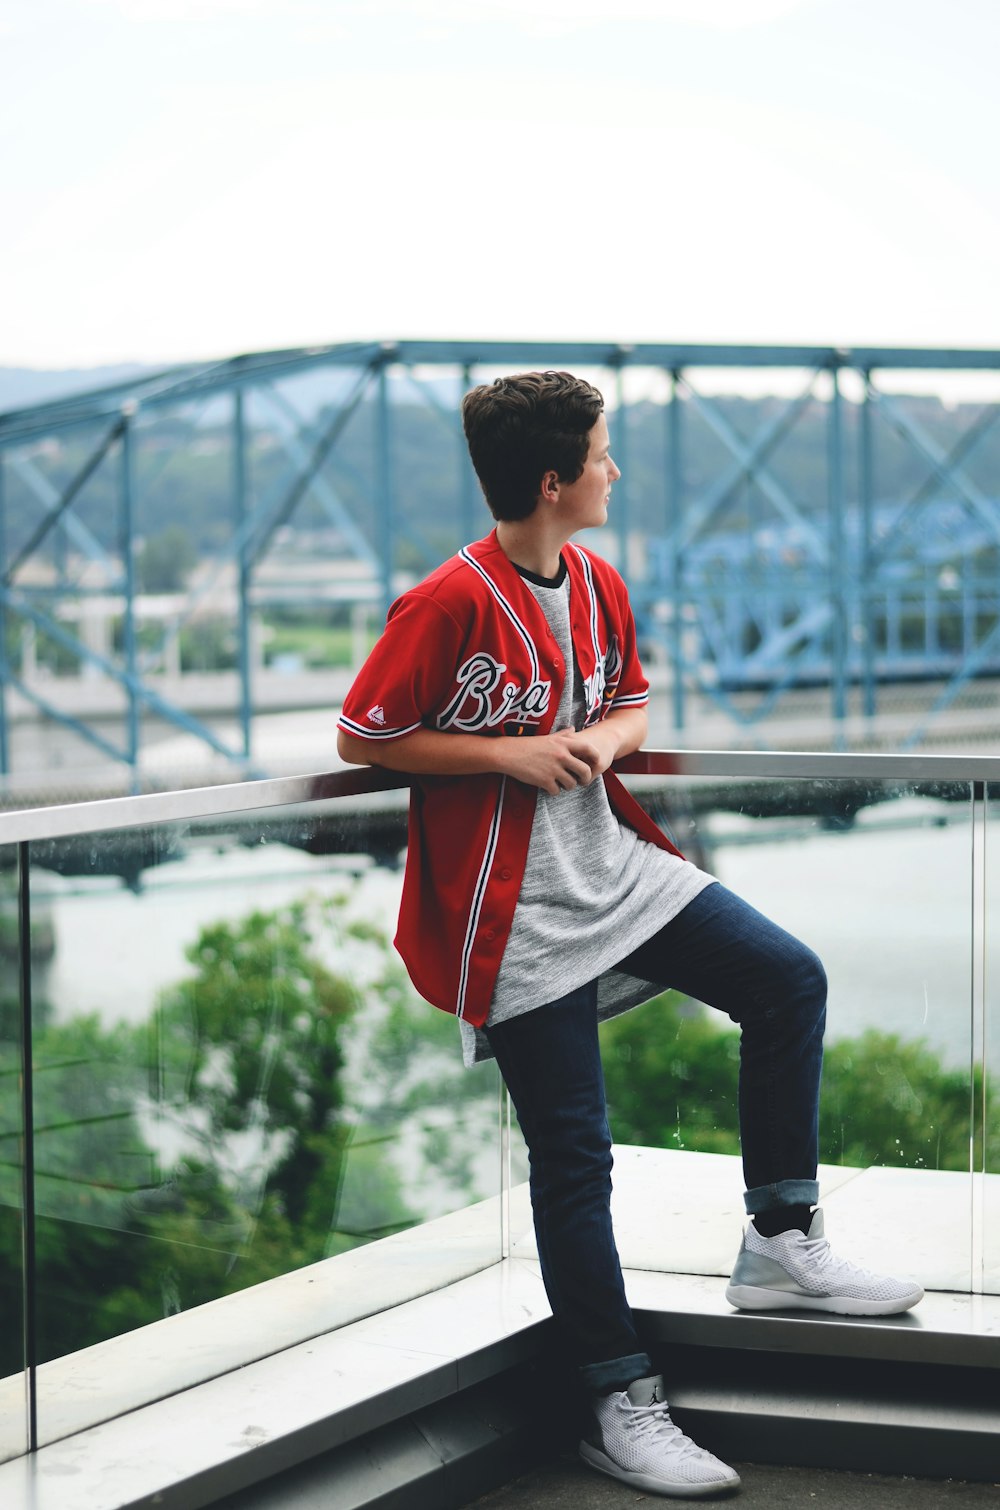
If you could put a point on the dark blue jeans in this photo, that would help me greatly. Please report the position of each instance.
(718, 950)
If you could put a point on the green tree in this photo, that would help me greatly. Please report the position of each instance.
(672, 1077)
(199, 1154)
(250, 1053)
(89, 1153)
(166, 560)
(254, 1039)
(890, 1101)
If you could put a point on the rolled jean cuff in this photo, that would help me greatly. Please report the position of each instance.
(615, 1373)
(784, 1193)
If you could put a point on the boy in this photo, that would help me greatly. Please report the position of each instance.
(539, 898)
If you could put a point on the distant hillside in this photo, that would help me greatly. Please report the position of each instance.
(21, 386)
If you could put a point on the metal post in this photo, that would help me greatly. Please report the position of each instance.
(675, 484)
(978, 1061)
(127, 550)
(970, 603)
(28, 1253)
(4, 663)
(932, 616)
(244, 567)
(383, 472)
(838, 636)
(986, 1093)
(60, 553)
(504, 1126)
(468, 490)
(868, 563)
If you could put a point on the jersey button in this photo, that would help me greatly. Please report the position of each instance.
(505, 874)
(490, 934)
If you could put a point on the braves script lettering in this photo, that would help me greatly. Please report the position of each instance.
(482, 703)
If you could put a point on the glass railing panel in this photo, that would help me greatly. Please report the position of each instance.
(13, 1416)
(235, 1079)
(876, 877)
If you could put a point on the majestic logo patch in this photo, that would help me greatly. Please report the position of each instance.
(376, 715)
(481, 702)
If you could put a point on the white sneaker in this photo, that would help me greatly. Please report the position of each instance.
(796, 1270)
(634, 1439)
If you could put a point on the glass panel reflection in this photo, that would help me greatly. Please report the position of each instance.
(875, 876)
(234, 1077)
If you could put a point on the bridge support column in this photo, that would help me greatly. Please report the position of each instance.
(248, 643)
(839, 643)
(675, 484)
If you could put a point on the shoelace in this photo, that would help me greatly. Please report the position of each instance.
(819, 1252)
(654, 1421)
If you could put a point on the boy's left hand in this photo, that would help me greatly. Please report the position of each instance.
(618, 734)
(598, 746)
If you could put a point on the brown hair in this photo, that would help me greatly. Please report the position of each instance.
(520, 427)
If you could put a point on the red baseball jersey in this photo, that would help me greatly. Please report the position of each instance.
(469, 650)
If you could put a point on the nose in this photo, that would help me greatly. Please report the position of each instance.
(613, 472)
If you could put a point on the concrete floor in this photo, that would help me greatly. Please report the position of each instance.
(567, 1484)
(679, 1212)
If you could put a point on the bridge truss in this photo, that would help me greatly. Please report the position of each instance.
(750, 584)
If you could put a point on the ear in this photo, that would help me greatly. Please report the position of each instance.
(548, 491)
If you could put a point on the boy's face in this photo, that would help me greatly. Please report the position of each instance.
(583, 504)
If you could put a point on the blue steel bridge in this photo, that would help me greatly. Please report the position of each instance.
(748, 592)
(918, 614)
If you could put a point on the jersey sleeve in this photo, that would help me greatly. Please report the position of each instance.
(407, 675)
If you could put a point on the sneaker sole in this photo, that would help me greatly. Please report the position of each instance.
(672, 1488)
(750, 1298)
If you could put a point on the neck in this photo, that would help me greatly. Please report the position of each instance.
(526, 545)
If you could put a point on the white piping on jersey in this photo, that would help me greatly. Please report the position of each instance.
(362, 731)
(508, 609)
(633, 699)
(592, 598)
(477, 899)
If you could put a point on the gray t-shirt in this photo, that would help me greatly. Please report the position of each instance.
(592, 890)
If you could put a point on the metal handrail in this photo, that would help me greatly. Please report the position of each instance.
(105, 814)
(811, 765)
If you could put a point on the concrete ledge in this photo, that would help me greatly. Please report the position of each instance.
(180, 1352)
(222, 1437)
(438, 1458)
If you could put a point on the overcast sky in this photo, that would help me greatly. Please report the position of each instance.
(192, 178)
